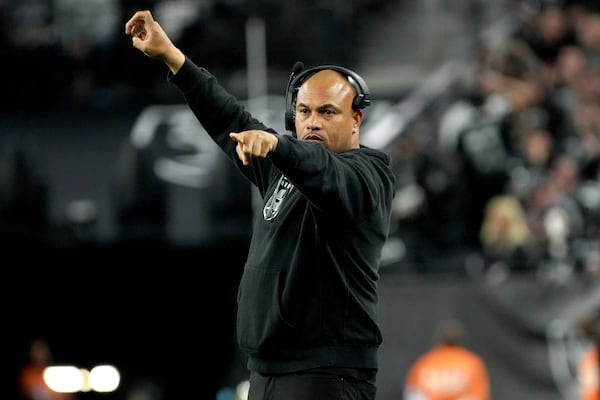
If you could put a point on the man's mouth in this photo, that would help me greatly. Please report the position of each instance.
(313, 138)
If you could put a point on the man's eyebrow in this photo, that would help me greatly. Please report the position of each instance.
(328, 106)
(320, 107)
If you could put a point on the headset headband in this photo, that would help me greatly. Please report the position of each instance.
(298, 76)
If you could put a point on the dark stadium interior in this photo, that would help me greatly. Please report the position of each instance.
(116, 252)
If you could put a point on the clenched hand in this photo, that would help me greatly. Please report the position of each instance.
(149, 37)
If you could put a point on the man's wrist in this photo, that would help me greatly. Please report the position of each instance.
(174, 60)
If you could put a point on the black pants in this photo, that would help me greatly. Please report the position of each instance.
(310, 385)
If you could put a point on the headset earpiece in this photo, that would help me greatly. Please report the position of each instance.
(290, 97)
(298, 76)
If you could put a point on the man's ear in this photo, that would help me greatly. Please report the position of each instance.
(358, 116)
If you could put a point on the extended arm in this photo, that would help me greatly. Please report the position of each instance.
(149, 37)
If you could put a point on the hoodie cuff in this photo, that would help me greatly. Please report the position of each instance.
(283, 148)
(187, 76)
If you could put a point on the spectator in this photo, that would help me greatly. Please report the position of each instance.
(31, 379)
(448, 371)
(588, 371)
(505, 236)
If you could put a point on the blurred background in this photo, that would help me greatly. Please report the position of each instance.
(124, 232)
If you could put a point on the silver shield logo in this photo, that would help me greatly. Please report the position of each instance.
(271, 209)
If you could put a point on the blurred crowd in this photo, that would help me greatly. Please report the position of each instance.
(509, 178)
(73, 54)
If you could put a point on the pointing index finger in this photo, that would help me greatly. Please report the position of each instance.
(236, 136)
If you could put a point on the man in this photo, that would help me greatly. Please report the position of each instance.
(307, 300)
(448, 371)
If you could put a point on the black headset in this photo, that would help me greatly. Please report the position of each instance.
(299, 75)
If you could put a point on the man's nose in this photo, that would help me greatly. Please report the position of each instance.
(313, 122)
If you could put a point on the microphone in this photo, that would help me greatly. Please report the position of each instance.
(299, 66)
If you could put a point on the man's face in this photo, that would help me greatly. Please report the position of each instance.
(324, 112)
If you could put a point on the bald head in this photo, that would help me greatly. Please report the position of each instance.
(324, 111)
(333, 82)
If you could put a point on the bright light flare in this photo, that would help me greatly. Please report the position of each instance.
(64, 379)
(70, 379)
(104, 378)
(242, 389)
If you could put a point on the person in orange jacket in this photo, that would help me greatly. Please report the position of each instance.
(31, 377)
(589, 363)
(448, 371)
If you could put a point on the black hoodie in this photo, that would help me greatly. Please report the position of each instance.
(308, 294)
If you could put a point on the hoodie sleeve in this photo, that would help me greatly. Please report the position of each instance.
(352, 184)
(220, 113)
